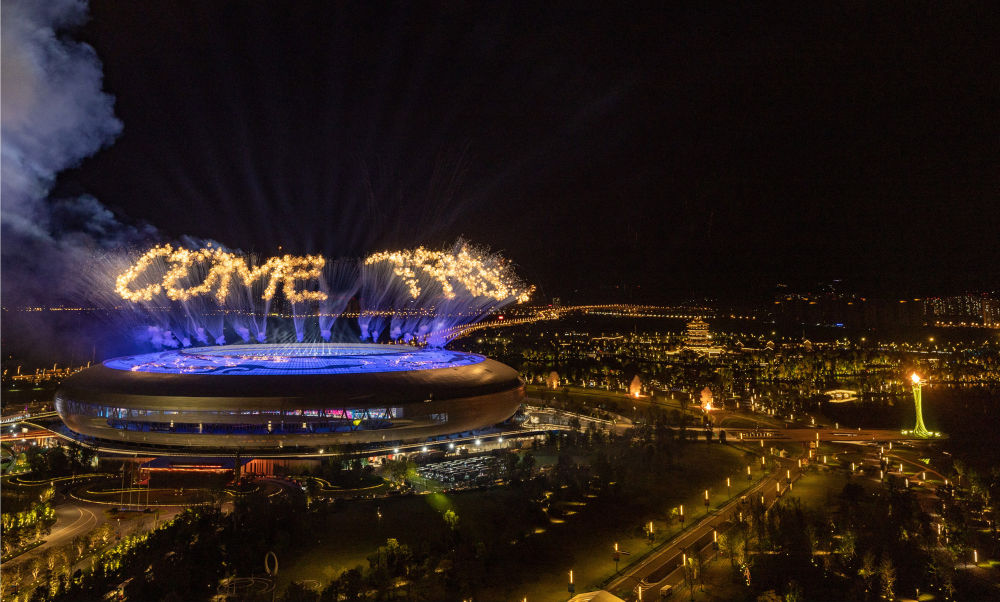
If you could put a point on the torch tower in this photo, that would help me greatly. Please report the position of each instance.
(919, 430)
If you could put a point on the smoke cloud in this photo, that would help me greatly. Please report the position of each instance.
(54, 114)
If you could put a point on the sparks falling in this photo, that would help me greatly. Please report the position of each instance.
(416, 296)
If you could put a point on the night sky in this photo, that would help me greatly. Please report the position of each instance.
(673, 153)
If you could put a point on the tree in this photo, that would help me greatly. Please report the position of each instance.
(35, 567)
(527, 464)
(794, 593)
(35, 457)
(10, 541)
(55, 559)
(297, 591)
(887, 576)
(102, 535)
(731, 545)
(868, 571)
(451, 519)
(56, 461)
(942, 570)
(400, 470)
(846, 547)
(684, 403)
(80, 545)
(47, 494)
(313, 489)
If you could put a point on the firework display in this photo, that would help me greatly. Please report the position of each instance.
(211, 294)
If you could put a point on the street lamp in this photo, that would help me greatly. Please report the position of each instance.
(689, 577)
(571, 587)
(706, 501)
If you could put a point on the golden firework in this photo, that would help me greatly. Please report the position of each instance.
(219, 267)
(480, 276)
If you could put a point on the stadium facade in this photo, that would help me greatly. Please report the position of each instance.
(269, 396)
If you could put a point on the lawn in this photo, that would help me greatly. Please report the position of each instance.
(581, 536)
(820, 488)
(354, 532)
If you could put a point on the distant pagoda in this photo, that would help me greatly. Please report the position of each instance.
(698, 336)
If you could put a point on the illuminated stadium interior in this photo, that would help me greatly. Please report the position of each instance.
(264, 360)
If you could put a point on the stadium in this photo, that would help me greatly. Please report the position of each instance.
(282, 396)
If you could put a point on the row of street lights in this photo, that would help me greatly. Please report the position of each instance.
(617, 552)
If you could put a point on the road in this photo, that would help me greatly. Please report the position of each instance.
(72, 519)
(844, 435)
(664, 567)
(76, 517)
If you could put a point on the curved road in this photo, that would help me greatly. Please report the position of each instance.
(72, 519)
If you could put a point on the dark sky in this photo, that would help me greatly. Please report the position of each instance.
(672, 152)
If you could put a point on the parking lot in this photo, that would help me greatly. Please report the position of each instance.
(464, 472)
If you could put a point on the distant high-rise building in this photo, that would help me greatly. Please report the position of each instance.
(556, 302)
(961, 310)
(991, 313)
